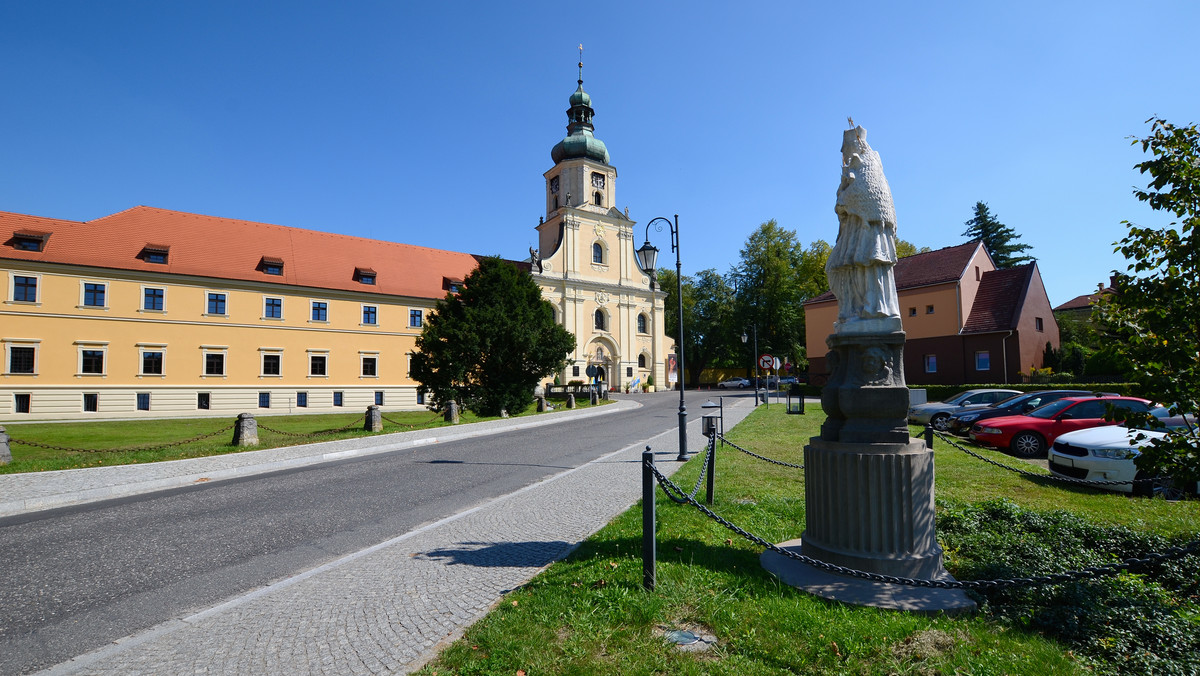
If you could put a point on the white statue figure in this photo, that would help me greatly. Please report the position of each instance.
(860, 266)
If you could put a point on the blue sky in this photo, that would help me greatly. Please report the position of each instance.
(432, 123)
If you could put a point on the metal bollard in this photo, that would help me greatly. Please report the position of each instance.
(712, 469)
(649, 545)
(929, 436)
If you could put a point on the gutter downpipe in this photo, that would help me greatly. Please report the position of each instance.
(1004, 350)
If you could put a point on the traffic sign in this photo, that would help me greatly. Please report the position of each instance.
(766, 361)
(777, 364)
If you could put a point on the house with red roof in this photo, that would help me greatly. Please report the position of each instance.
(964, 320)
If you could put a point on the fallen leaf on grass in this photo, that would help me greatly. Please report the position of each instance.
(520, 672)
(514, 604)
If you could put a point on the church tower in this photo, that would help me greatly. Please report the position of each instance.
(586, 265)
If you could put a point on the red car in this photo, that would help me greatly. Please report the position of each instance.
(1030, 435)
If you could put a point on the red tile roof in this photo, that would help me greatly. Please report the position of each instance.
(224, 248)
(998, 301)
(924, 269)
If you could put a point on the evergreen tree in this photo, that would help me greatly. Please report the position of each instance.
(999, 239)
(488, 346)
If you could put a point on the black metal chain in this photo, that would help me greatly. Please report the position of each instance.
(151, 447)
(695, 489)
(1037, 580)
(313, 434)
(1039, 475)
(760, 457)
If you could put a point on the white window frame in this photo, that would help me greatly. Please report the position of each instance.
(312, 306)
(142, 299)
(82, 294)
(10, 343)
(318, 352)
(411, 310)
(209, 292)
(90, 345)
(143, 348)
(364, 355)
(206, 350)
(363, 311)
(264, 309)
(986, 354)
(262, 361)
(37, 299)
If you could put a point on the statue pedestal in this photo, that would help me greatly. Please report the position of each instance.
(869, 488)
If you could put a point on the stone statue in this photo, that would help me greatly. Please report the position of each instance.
(860, 266)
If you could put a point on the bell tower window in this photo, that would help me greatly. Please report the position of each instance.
(598, 199)
(599, 320)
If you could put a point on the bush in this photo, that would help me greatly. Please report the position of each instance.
(1133, 624)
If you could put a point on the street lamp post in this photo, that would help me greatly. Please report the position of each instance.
(753, 358)
(647, 258)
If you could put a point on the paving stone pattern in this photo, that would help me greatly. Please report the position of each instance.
(387, 609)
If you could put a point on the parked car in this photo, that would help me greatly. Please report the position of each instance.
(734, 383)
(1109, 454)
(937, 413)
(961, 422)
(1030, 436)
(788, 380)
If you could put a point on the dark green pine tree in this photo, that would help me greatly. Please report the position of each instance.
(487, 346)
(999, 239)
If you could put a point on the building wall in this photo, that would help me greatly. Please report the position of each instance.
(1033, 339)
(59, 326)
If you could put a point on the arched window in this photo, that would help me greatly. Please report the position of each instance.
(599, 320)
(642, 324)
(641, 361)
(598, 198)
(597, 253)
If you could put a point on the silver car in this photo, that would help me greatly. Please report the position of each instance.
(937, 413)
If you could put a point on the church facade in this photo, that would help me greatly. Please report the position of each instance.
(586, 267)
(151, 313)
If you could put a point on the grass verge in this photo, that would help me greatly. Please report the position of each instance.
(589, 615)
(117, 442)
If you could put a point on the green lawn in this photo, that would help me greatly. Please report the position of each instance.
(589, 614)
(107, 443)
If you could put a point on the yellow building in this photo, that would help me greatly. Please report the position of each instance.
(150, 312)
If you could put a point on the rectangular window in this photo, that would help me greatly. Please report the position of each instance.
(369, 365)
(25, 289)
(272, 269)
(20, 359)
(316, 365)
(159, 257)
(420, 397)
(574, 371)
(264, 400)
(91, 402)
(93, 295)
(92, 362)
(273, 308)
(1037, 323)
(302, 399)
(912, 312)
(203, 401)
(628, 371)
(152, 363)
(983, 360)
(370, 315)
(320, 311)
(928, 309)
(143, 401)
(21, 403)
(152, 299)
(379, 398)
(28, 242)
(214, 363)
(337, 398)
(216, 303)
(272, 364)
(931, 363)
(414, 319)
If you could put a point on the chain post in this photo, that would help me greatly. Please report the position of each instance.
(712, 468)
(929, 437)
(648, 542)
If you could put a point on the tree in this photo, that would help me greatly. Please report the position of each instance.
(1155, 310)
(904, 249)
(487, 347)
(708, 305)
(770, 290)
(999, 239)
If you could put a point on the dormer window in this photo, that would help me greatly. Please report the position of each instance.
(452, 285)
(155, 253)
(29, 240)
(271, 266)
(364, 276)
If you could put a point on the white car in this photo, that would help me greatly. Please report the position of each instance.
(1106, 454)
(734, 383)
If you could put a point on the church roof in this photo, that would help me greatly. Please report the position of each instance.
(579, 142)
(224, 248)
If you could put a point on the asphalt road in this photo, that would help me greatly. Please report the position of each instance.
(75, 579)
